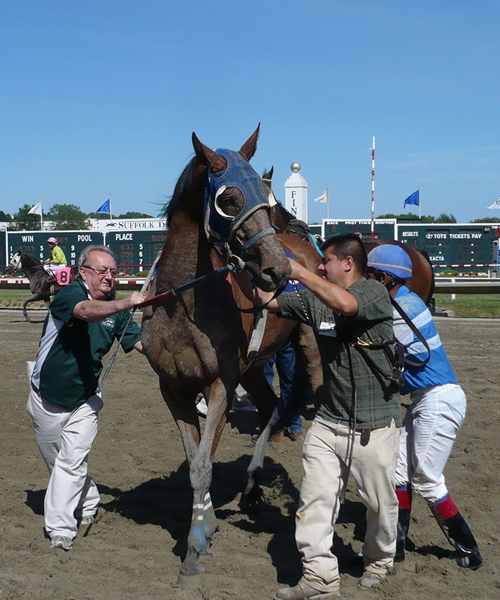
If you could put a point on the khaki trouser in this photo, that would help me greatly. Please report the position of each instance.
(325, 457)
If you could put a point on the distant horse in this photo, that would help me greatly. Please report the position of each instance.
(197, 342)
(41, 286)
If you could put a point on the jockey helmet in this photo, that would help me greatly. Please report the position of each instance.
(52, 240)
(390, 259)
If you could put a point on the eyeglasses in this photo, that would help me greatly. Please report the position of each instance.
(102, 272)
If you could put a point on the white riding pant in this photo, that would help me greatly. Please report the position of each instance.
(325, 458)
(64, 438)
(429, 430)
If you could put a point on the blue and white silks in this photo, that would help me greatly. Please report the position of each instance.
(438, 370)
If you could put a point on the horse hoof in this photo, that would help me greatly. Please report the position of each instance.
(191, 582)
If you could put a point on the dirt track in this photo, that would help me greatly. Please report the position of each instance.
(134, 550)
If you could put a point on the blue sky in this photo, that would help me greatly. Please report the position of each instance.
(102, 97)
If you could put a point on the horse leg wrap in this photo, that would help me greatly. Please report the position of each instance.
(404, 500)
(209, 522)
(196, 538)
(458, 533)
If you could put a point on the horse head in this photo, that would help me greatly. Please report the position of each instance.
(15, 263)
(236, 212)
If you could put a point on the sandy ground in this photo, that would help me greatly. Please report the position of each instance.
(134, 549)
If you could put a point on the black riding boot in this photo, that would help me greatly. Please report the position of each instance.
(402, 533)
(459, 535)
(404, 499)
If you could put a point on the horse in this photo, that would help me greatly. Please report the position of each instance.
(41, 285)
(197, 342)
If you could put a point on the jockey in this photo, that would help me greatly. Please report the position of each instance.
(57, 258)
(435, 415)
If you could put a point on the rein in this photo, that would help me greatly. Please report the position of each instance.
(235, 264)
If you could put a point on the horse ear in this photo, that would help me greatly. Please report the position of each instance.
(250, 146)
(208, 157)
(268, 174)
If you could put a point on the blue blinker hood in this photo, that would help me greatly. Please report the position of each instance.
(220, 228)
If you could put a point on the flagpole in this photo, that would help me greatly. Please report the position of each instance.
(110, 210)
(327, 203)
(373, 188)
(419, 204)
(41, 214)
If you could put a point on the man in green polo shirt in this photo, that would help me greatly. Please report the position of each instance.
(356, 428)
(80, 328)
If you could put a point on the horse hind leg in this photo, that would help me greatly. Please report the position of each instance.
(33, 298)
(255, 383)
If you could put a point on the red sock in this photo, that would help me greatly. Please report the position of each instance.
(445, 508)
(404, 497)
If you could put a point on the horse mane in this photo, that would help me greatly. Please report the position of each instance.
(183, 183)
(29, 261)
(286, 214)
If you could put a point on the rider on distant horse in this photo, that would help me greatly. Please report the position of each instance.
(57, 258)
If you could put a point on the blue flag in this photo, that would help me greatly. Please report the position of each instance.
(413, 199)
(105, 208)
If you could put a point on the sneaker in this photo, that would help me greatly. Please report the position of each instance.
(298, 436)
(202, 407)
(301, 591)
(369, 580)
(61, 541)
(87, 520)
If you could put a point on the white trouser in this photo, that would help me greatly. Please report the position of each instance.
(325, 468)
(429, 430)
(64, 439)
(53, 267)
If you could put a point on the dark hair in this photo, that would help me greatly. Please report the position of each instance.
(347, 244)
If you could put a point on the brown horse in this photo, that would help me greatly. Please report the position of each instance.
(41, 286)
(422, 280)
(197, 342)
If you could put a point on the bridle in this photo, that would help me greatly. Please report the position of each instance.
(220, 228)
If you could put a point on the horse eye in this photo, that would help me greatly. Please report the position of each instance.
(230, 205)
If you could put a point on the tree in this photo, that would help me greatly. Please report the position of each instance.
(25, 222)
(134, 215)
(487, 220)
(408, 217)
(445, 218)
(128, 215)
(4, 217)
(67, 216)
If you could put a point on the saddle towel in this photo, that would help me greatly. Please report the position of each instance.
(63, 275)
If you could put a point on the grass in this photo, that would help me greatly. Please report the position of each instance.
(465, 305)
(470, 305)
(14, 298)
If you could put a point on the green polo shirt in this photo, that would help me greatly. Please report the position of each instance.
(378, 402)
(68, 362)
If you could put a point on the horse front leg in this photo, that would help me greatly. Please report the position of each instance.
(199, 453)
(33, 298)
